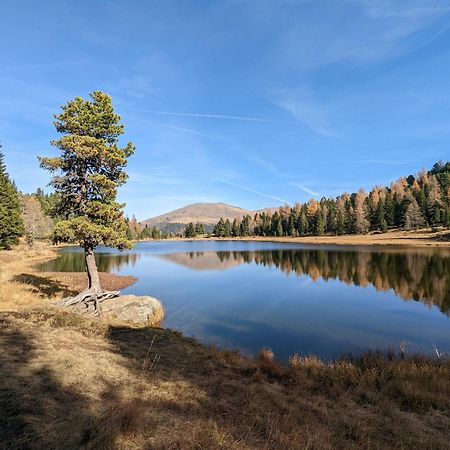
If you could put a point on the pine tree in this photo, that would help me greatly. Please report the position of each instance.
(446, 220)
(235, 230)
(11, 225)
(219, 229)
(189, 232)
(380, 217)
(245, 226)
(340, 223)
(199, 229)
(303, 223)
(434, 201)
(279, 229)
(319, 225)
(227, 228)
(389, 209)
(292, 230)
(88, 173)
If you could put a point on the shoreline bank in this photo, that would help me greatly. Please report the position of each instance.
(419, 238)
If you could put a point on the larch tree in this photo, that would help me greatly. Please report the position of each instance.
(86, 176)
(11, 225)
(37, 224)
(362, 224)
(413, 216)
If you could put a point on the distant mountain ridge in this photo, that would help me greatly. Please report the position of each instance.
(204, 213)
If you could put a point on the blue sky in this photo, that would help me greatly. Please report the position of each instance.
(250, 102)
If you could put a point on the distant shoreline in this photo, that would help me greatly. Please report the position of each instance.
(419, 238)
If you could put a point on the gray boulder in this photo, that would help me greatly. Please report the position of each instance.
(139, 310)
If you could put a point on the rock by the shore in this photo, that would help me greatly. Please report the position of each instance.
(139, 310)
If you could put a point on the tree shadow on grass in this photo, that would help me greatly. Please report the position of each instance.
(40, 411)
(45, 287)
(175, 394)
(36, 411)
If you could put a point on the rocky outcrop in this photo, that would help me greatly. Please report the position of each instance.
(138, 310)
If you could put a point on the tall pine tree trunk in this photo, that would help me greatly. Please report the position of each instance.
(92, 271)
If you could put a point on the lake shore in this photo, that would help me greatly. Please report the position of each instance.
(23, 286)
(92, 384)
(418, 238)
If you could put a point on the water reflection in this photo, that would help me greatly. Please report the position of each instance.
(413, 275)
(73, 261)
(422, 275)
(292, 298)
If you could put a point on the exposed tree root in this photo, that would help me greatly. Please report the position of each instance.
(88, 301)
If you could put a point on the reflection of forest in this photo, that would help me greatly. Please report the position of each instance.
(74, 262)
(422, 275)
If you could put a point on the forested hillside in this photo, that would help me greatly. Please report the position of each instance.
(409, 203)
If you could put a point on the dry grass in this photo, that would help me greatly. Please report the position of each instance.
(14, 293)
(69, 382)
(420, 238)
(22, 286)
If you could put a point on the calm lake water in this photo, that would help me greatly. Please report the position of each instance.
(323, 300)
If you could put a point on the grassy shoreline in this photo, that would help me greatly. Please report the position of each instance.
(68, 380)
(418, 238)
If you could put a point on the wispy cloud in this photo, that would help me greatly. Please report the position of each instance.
(305, 189)
(254, 191)
(300, 103)
(244, 151)
(377, 30)
(207, 116)
(173, 127)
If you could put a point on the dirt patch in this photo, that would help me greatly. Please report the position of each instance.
(77, 281)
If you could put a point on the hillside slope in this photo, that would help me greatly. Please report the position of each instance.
(205, 213)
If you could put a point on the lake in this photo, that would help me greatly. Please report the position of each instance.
(293, 298)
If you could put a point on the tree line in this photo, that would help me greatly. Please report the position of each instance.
(409, 203)
(34, 216)
(138, 231)
(192, 230)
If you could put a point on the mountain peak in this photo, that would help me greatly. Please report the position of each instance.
(205, 213)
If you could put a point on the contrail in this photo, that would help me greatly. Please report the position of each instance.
(208, 116)
(245, 188)
(305, 189)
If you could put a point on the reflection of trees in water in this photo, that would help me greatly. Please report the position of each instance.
(74, 262)
(419, 276)
(422, 275)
